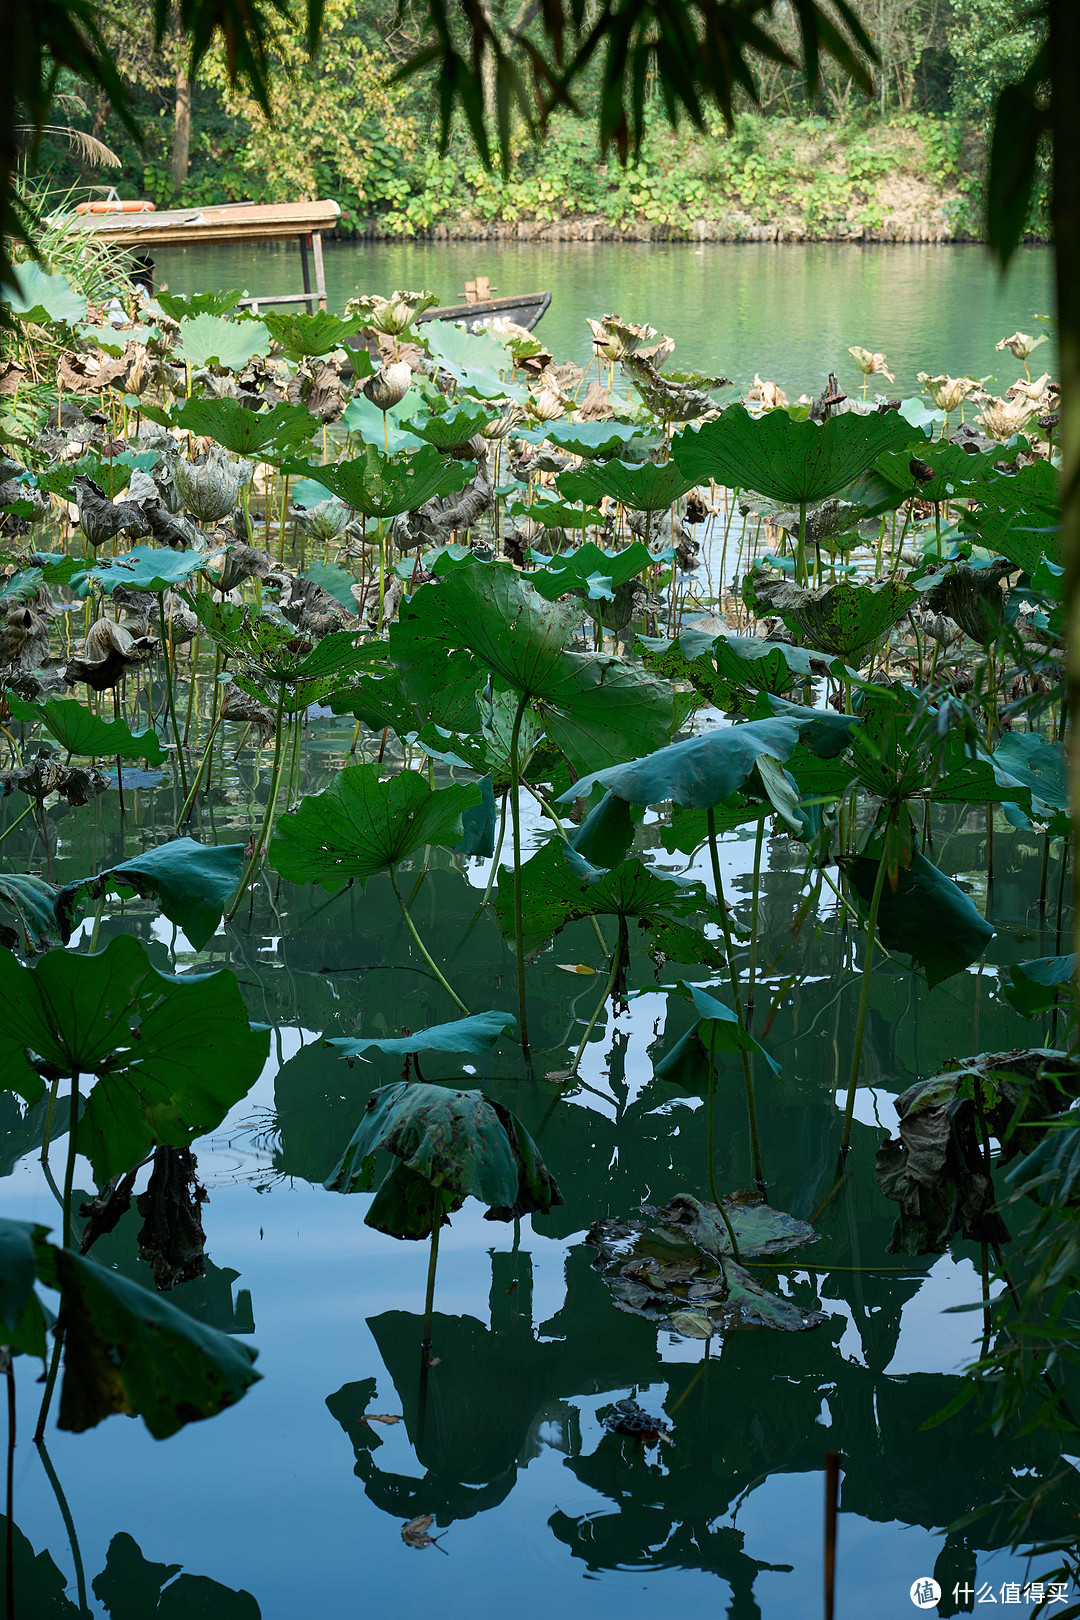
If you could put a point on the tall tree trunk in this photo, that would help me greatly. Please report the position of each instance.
(181, 131)
(1065, 118)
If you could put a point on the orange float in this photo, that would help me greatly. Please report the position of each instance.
(138, 206)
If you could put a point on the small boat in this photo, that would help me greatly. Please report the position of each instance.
(524, 310)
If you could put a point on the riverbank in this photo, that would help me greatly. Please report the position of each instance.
(910, 179)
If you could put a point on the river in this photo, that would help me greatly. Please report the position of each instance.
(788, 313)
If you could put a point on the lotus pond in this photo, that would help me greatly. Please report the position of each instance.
(534, 902)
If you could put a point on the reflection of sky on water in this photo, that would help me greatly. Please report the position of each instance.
(264, 1497)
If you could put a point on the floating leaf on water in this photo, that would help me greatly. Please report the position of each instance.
(474, 1035)
(415, 1533)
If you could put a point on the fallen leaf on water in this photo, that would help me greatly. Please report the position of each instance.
(382, 1417)
(415, 1533)
(560, 1076)
(692, 1324)
(576, 967)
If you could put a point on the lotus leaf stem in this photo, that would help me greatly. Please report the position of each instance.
(167, 648)
(616, 963)
(864, 999)
(9, 1527)
(736, 1000)
(710, 1154)
(271, 806)
(422, 948)
(433, 1261)
(515, 812)
(69, 1525)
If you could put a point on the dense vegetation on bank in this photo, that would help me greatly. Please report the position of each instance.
(907, 166)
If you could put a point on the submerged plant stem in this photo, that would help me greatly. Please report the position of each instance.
(268, 818)
(422, 948)
(864, 1000)
(616, 962)
(736, 1000)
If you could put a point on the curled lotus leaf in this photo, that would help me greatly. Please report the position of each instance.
(474, 1035)
(451, 1145)
(843, 620)
(191, 882)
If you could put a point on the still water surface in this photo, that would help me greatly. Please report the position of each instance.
(290, 1496)
(788, 313)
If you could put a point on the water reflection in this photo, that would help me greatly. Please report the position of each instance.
(754, 1405)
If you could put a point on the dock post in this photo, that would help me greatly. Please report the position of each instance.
(305, 243)
(320, 273)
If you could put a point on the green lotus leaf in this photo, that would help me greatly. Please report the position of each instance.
(31, 900)
(691, 1062)
(300, 336)
(700, 772)
(210, 340)
(1035, 986)
(80, 731)
(473, 359)
(42, 298)
(458, 1144)
(594, 441)
(452, 430)
(927, 916)
(605, 835)
(179, 306)
(145, 568)
(843, 620)
(171, 1055)
(711, 664)
(244, 432)
(271, 654)
(646, 487)
(127, 1349)
(191, 882)
(484, 618)
(112, 476)
(787, 460)
(590, 569)
(474, 1036)
(1039, 766)
(361, 825)
(556, 515)
(382, 486)
(559, 887)
(383, 429)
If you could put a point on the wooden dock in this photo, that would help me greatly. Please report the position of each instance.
(302, 222)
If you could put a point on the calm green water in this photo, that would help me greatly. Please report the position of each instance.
(786, 312)
(291, 1498)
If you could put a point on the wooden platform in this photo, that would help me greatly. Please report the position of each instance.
(301, 222)
(226, 222)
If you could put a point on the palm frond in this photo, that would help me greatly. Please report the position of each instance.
(85, 145)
